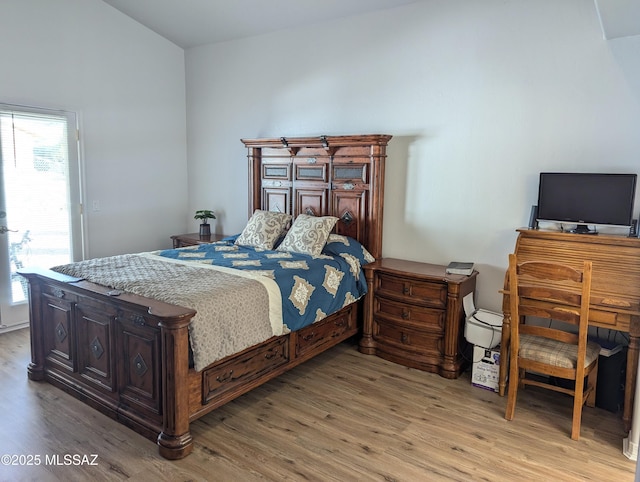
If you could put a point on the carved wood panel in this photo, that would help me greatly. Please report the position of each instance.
(280, 171)
(58, 331)
(94, 346)
(332, 175)
(350, 207)
(277, 199)
(139, 344)
(311, 201)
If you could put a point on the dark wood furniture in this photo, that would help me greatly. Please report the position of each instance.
(339, 175)
(414, 316)
(128, 356)
(191, 239)
(615, 289)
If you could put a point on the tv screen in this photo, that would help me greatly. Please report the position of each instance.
(586, 199)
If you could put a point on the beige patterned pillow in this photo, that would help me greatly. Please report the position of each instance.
(263, 229)
(308, 235)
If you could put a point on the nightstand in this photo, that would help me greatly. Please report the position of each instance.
(413, 315)
(181, 240)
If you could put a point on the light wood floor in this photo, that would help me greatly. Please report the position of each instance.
(343, 416)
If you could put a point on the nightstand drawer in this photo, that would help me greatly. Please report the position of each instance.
(407, 338)
(412, 291)
(192, 239)
(425, 318)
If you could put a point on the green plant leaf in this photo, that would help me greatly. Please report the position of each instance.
(204, 215)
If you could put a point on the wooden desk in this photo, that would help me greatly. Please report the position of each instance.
(615, 289)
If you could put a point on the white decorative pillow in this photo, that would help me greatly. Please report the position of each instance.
(308, 235)
(263, 229)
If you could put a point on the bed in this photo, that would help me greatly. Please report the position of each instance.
(130, 355)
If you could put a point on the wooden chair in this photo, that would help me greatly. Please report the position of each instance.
(555, 292)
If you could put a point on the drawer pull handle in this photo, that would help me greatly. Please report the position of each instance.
(405, 314)
(225, 377)
(272, 354)
(310, 336)
(613, 302)
(406, 290)
(404, 338)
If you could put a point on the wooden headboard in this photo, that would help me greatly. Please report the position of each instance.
(340, 176)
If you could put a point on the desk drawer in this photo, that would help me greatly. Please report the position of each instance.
(618, 321)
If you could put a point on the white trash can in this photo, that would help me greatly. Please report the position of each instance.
(484, 328)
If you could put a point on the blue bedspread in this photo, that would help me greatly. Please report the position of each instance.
(311, 287)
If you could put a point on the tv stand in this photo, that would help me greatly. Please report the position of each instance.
(615, 289)
(582, 229)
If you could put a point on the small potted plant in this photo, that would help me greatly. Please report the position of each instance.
(204, 215)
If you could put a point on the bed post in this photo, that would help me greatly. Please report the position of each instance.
(367, 343)
(35, 370)
(255, 179)
(175, 440)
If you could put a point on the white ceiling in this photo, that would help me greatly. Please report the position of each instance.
(189, 23)
(619, 18)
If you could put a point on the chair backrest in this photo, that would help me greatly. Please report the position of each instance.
(550, 291)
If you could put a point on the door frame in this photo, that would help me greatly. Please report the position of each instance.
(14, 316)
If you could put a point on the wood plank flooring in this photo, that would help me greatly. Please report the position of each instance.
(342, 416)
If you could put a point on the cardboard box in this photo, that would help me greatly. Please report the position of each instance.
(485, 372)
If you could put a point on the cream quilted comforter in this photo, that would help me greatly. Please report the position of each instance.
(235, 309)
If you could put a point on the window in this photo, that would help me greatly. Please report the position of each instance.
(40, 205)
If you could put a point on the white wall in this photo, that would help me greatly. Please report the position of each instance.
(127, 85)
(479, 96)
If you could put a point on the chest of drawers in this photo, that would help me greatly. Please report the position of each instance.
(413, 315)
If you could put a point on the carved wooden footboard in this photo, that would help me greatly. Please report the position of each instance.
(125, 355)
(128, 356)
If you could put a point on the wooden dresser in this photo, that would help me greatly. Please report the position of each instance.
(615, 289)
(413, 315)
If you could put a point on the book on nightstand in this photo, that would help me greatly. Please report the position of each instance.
(460, 267)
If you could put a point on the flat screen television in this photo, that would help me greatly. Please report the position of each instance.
(586, 199)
